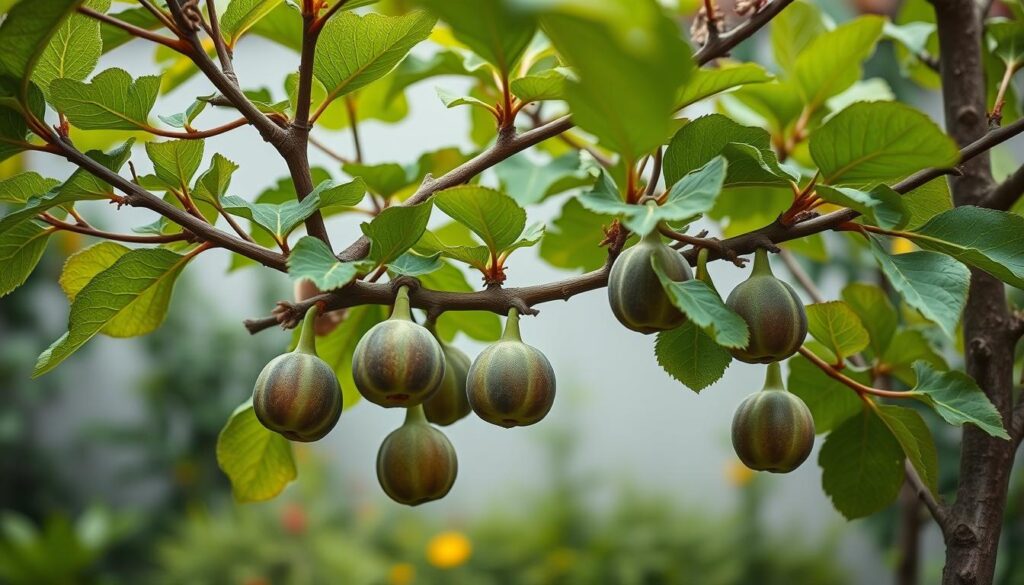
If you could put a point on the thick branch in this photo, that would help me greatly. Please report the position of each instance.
(1007, 193)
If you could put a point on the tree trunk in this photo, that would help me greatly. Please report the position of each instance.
(975, 519)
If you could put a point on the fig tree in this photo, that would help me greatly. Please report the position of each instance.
(773, 430)
(450, 402)
(416, 462)
(398, 362)
(773, 312)
(635, 293)
(511, 384)
(297, 394)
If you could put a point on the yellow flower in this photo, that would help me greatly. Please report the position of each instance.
(401, 574)
(738, 474)
(448, 550)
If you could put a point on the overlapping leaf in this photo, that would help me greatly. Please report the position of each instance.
(258, 461)
(111, 101)
(691, 356)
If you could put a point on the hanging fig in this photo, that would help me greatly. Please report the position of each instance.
(416, 462)
(450, 402)
(398, 362)
(511, 384)
(773, 312)
(635, 293)
(297, 393)
(773, 430)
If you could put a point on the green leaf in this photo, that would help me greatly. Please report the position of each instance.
(355, 50)
(185, 119)
(20, 251)
(451, 100)
(793, 30)
(13, 127)
(26, 33)
(690, 356)
(876, 313)
(916, 440)
(22, 187)
(383, 179)
(214, 182)
(530, 182)
(312, 260)
(872, 142)
(881, 205)
(478, 257)
(175, 162)
(862, 466)
(837, 327)
(242, 15)
(702, 305)
(1009, 41)
(258, 461)
(832, 61)
(549, 85)
(490, 214)
(277, 219)
(395, 230)
(111, 101)
(413, 264)
(748, 151)
(490, 28)
(907, 348)
(74, 50)
(335, 196)
(983, 238)
(141, 280)
(479, 325)
(831, 402)
(927, 201)
(708, 82)
(573, 240)
(934, 284)
(957, 398)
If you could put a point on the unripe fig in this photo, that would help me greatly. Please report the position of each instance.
(635, 293)
(450, 402)
(511, 384)
(297, 394)
(773, 430)
(416, 462)
(773, 312)
(397, 362)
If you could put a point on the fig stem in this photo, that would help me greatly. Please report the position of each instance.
(773, 378)
(401, 310)
(415, 415)
(307, 336)
(511, 332)
(762, 267)
(702, 269)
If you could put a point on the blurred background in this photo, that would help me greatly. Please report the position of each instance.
(108, 472)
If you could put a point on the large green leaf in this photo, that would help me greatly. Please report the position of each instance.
(908, 347)
(215, 180)
(862, 466)
(355, 50)
(932, 283)
(792, 30)
(312, 260)
(837, 327)
(529, 181)
(111, 101)
(876, 312)
(549, 85)
(395, 230)
(175, 162)
(748, 151)
(490, 214)
(490, 28)
(573, 240)
(24, 186)
(832, 61)
(20, 251)
(1009, 41)
(26, 33)
(142, 278)
(831, 402)
(702, 306)
(983, 238)
(277, 219)
(258, 461)
(957, 398)
(708, 82)
(242, 15)
(691, 356)
(74, 50)
(916, 440)
(872, 142)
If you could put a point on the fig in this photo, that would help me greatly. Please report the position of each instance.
(398, 362)
(297, 394)
(773, 430)
(416, 462)
(511, 384)
(450, 402)
(635, 293)
(773, 312)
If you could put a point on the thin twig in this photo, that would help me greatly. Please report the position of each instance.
(801, 276)
(135, 31)
(218, 41)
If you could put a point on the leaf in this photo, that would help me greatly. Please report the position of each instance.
(24, 186)
(690, 356)
(175, 162)
(114, 37)
(214, 182)
(907, 348)
(530, 182)
(26, 32)
(876, 313)
(490, 214)
(832, 61)
(451, 100)
(957, 398)
(13, 127)
(708, 82)
(355, 50)
(185, 119)
(20, 251)
(242, 15)
(573, 239)
(490, 28)
(1009, 41)
(478, 257)
(413, 264)
(927, 201)
(916, 440)
(751, 159)
(383, 179)
(881, 205)
(983, 238)
(277, 219)
(258, 461)
(831, 402)
(395, 230)
(141, 280)
(85, 264)
(74, 50)
(934, 284)
(792, 30)
(702, 305)
(872, 142)
(111, 101)
(862, 466)
(312, 260)
(549, 85)
(836, 326)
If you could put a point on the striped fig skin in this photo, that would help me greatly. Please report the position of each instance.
(774, 314)
(298, 396)
(511, 384)
(450, 403)
(416, 463)
(398, 363)
(635, 293)
(773, 430)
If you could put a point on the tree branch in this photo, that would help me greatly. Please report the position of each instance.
(938, 510)
(1007, 193)
(218, 41)
(720, 45)
(175, 44)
